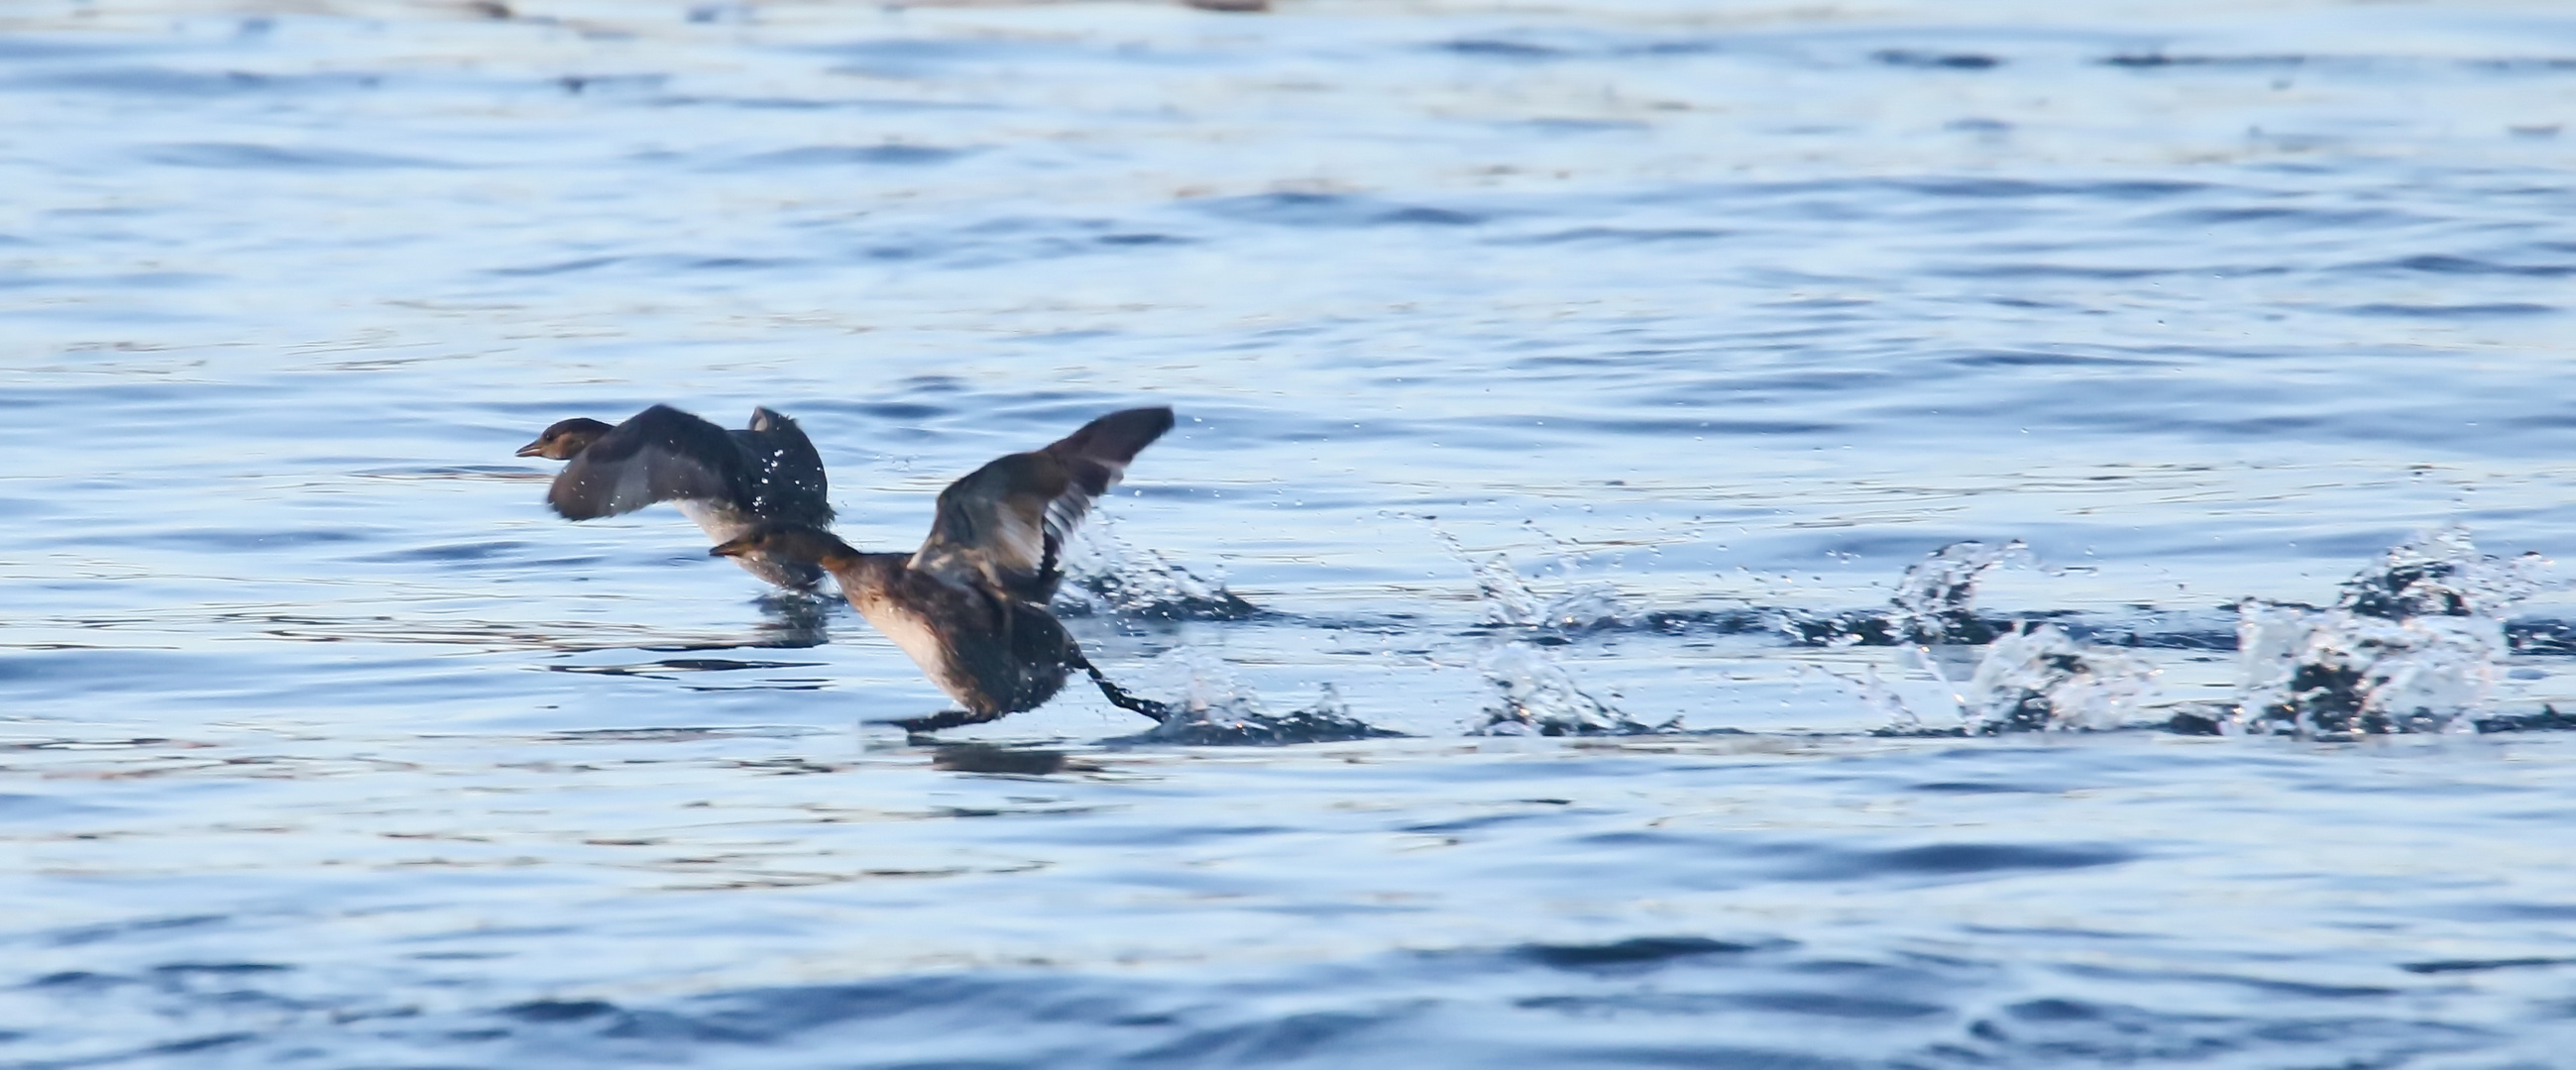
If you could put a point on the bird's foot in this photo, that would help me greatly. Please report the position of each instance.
(1118, 696)
(918, 729)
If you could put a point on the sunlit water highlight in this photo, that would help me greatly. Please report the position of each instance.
(1942, 535)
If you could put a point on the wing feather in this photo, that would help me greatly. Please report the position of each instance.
(791, 485)
(1004, 525)
(658, 455)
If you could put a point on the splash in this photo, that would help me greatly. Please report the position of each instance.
(2038, 679)
(1935, 602)
(1140, 583)
(2443, 574)
(2334, 673)
(2413, 645)
(1536, 697)
(1508, 600)
(1216, 709)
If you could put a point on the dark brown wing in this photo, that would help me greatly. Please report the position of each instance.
(659, 455)
(1004, 524)
(788, 474)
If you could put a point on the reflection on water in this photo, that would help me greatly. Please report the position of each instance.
(1699, 535)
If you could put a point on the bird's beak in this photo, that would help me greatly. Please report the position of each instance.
(533, 449)
(729, 548)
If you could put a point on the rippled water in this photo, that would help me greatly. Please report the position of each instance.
(1608, 368)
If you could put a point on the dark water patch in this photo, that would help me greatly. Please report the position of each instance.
(1487, 48)
(2541, 636)
(181, 969)
(2012, 188)
(85, 980)
(2482, 965)
(655, 669)
(558, 1010)
(1010, 761)
(1642, 952)
(901, 413)
(577, 84)
(1977, 787)
(2483, 311)
(2155, 60)
(887, 155)
(97, 744)
(194, 85)
(1835, 1005)
(1437, 217)
(1954, 61)
(2212, 719)
(1472, 824)
(2049, 360)
(1332, 210)
(1617, 235)
(562, 267)
(1143, 239)
(1063, 337)
(2438, 264)
(2051, 271)
(2549, 719)
(93, 934)
(2284, 217)
(1961, 859)
(1669, 48)
(682, 735)
(242, 157)
(2271, 985)
(450, 471)
(730, 263)
(2531, 64)
(467, 551)
(2552, 912)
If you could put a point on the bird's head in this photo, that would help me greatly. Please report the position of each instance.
(785, 542)
(565, 439)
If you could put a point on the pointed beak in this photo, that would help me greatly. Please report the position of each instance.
(729, 548)
(533, 449)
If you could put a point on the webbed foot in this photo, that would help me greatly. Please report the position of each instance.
(918, 729)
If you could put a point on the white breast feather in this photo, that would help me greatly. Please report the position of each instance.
(914, 637)
(721, 523)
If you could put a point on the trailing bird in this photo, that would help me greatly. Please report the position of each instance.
(970, 606)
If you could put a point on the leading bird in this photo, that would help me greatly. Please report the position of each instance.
(969, 606)
(728, 482)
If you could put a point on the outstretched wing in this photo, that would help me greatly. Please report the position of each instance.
(659, 455)
(1004, 524)
(791, 486)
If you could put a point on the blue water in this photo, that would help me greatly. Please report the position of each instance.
(1567, 356)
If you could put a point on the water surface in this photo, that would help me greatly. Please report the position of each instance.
(1564, 355)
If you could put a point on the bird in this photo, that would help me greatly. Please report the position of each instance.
(970, 606)
(728, 482)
